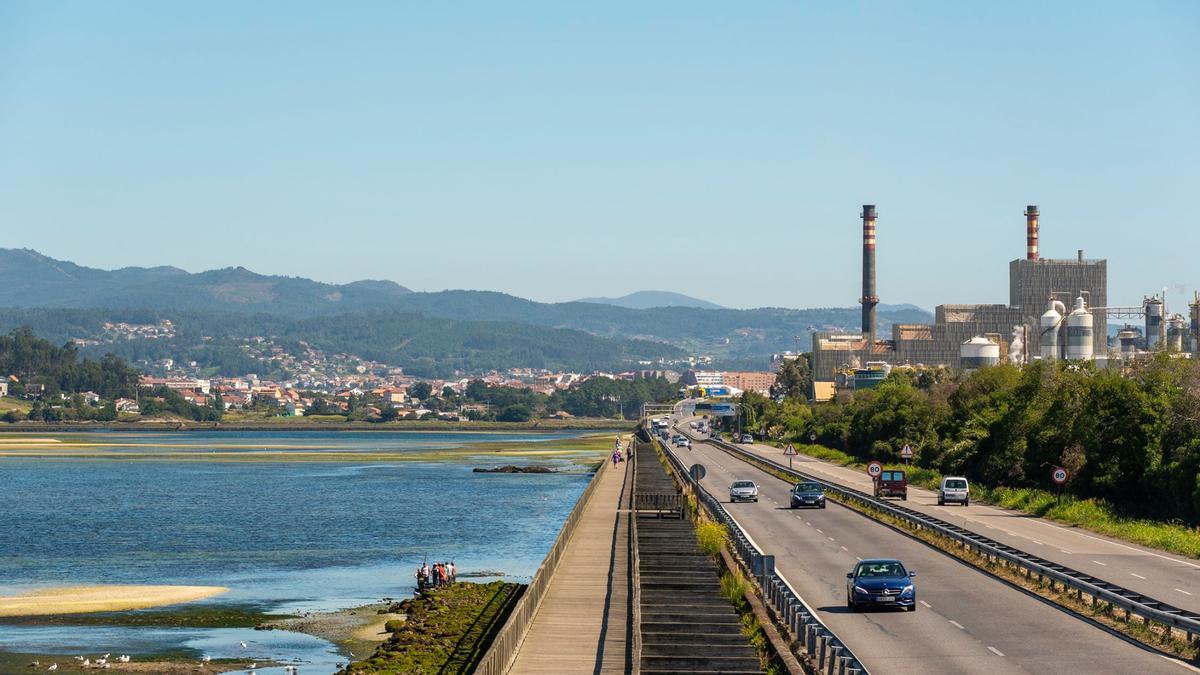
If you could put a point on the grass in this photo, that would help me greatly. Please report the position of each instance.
(447, 630)
(9, 403)
(1090, 514)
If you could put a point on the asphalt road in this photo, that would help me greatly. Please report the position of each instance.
(1162, 576)
(966, 621)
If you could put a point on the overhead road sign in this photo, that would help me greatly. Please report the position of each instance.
(723, 409)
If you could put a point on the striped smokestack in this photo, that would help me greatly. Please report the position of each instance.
(869, 299)
(1031, 232)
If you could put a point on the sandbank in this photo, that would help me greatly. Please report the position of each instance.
(101, 598)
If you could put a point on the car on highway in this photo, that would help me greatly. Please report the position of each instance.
(746, 438)
(808, 494)
(679, 441)
(743, 491)
(954, 489)
(892, 483)
(880, 582)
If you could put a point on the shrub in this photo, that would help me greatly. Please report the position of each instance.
(712, 537)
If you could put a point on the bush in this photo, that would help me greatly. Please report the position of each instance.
(712, 537)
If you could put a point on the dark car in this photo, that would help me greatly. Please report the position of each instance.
(808, 494)
(892, 483)
(881, 582)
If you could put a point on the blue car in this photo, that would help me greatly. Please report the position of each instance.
(881, 582)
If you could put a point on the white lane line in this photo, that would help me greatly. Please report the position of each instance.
(1063, 550)
(1181, 664)
(995, 651)
(1135, 574)
(1100, 563)
(1037, 542)
(845, 549)
(806, 522)
(832, 539)
(1182, 591)
(927, 605)
(956, 624)
(819, 530)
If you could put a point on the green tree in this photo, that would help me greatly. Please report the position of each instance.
(420, 390)
(794, 379)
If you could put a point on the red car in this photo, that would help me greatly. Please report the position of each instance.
(892, 483)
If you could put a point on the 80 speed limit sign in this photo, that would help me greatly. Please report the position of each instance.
(1059, 475)
(874, 469)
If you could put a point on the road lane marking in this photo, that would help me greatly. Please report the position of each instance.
(1063, 550)
(927, 605)
(956, 624)
(832, 539)
(1181, 664)
(1100, 563)
(995, 651)
(1037, 542)
(845, 549)
(819, 530)
(1182, 591)
(1135, 574)
(806, 522)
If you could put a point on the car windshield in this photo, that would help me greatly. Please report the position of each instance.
(808, 487)
(880, 569)
(956, 483)
(743, 484)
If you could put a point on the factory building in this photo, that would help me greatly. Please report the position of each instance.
(1033, 282)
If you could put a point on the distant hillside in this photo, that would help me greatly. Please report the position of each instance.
(651, 299)
(30, 279)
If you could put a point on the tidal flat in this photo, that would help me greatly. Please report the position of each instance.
(294, 525)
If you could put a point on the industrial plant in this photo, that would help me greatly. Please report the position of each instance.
(1057, 309)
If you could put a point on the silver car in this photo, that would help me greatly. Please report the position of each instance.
(743, 491)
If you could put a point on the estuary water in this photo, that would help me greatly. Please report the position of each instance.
(344, 526)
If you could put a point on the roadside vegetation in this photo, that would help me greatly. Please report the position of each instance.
(1130, 442)
(447, 630)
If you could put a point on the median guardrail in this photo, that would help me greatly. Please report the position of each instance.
(503, 650)
(1132, 603)
(828, 652)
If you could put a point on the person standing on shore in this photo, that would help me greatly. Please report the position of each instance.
(453, 572)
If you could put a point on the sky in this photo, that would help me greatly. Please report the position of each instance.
(560, 150)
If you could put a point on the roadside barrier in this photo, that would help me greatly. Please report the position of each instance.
(829, 653)
(503, 650)
(1132, 603)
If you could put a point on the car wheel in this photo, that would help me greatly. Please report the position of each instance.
(914, 606)
(941, 502)
(822, 504)
(904, 497)
(966, 502)
(850, 604)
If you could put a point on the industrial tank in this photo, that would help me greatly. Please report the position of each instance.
(1128, 339)
(1079, 332)
(1049, 324)
(977, 353)
(1176, 332)
(1154, 319)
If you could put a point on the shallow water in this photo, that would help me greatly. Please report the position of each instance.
(288, 536)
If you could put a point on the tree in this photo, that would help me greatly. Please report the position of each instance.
(420, 390)
(794, 379)
(518, 412)
(108, 413)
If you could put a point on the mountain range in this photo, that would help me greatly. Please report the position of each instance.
(39, 291)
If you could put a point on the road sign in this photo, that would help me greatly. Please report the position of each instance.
(724, 409)
(1059, 475)
(698, 472)
(790, 450)
(874, 469)
(906, 451)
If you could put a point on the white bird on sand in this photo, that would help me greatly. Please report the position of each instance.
(253, 666)
(53, 666)
(78, 658)
(87, 662)
(124, 658)
(35, 664)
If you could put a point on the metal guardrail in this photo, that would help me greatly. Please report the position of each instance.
(830, 654)
(503, 650)
(1133, 603)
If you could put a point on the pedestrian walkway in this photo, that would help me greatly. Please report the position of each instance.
(583, 624)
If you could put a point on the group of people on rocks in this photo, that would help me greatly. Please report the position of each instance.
(438, 574)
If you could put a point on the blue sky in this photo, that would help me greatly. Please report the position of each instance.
(560, 150)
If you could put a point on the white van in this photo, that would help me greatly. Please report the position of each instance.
(954, 489)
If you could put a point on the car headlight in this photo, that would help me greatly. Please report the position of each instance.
(860, 589)
(907, 589)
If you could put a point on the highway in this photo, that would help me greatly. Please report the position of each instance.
(1165, 577)
(966, 621)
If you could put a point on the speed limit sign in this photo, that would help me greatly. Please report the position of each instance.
(1059, 475)
(874, 469)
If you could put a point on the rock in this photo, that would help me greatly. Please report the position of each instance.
(509, 468)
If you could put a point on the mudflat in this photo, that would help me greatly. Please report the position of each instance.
(101, 598)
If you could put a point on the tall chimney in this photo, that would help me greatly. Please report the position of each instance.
(1031, 232)
(869, 299)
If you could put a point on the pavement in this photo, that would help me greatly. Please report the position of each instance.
(966, 621)
(1156, 574)
(583, 624)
